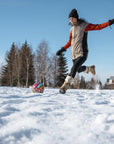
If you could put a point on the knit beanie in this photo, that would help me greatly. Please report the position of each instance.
(74, 13)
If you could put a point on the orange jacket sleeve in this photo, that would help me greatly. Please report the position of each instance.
(91, 27)
(69, 42)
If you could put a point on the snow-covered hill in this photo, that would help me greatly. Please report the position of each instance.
(78, 117)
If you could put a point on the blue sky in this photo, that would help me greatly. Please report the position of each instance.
(38, 20)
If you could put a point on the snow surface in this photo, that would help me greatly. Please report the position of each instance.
(77, 117)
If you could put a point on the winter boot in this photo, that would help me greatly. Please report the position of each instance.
(66, 84)
(90, 69)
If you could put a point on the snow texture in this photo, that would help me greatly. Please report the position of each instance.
(77, 117)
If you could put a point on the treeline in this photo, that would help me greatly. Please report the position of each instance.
(81, 83)
(23, 67)
(19, 69)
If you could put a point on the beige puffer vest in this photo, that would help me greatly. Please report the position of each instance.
(77, 38)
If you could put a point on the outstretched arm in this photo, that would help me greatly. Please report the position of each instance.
(91, 27)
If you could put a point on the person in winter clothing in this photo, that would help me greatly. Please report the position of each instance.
(79, 47)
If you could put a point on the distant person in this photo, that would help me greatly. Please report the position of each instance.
(79, 47)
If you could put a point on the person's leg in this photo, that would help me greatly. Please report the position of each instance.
(87, 69)
(81, 69)
(77, 66)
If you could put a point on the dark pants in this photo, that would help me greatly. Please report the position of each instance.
(77, 65)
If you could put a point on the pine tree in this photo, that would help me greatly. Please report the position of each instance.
(18, 63)
(54, 69)
(62, 70)
(82, 83)
(8, 71)
(4, 76)
(27, 67)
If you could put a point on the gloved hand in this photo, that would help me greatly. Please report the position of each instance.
(59, 52)
(111, 22)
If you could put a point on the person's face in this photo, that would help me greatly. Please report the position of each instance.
(73, 20)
